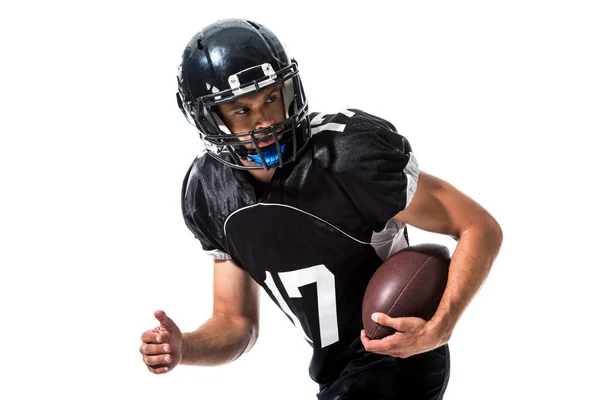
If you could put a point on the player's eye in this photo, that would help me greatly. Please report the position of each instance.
(271, 99)
(242, 111)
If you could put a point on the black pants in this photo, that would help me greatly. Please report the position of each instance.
(376, 377)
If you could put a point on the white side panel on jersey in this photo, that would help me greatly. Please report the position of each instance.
(389, 240)
(412, 176)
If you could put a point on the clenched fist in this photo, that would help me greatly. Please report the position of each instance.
(162, 346)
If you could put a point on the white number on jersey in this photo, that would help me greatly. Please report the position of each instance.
(326, 299)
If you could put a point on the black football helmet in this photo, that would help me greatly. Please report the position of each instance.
(230, 59)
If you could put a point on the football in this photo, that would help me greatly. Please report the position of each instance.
(410, 283)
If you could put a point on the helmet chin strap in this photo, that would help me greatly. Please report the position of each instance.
(270, 155)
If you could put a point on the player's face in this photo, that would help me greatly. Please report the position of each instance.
(252, 112)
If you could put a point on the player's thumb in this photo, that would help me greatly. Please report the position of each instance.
(383, 319)
(165, 321)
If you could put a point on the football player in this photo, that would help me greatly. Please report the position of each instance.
(306, 206)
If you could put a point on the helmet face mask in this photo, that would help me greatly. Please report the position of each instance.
(232, 59)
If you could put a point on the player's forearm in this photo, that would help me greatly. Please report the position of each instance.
(472, 260)
(218, 341)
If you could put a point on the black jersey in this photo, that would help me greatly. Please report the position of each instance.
(314, 235)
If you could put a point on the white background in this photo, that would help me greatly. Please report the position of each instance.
(502, 99)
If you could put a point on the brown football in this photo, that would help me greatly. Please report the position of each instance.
(410, 283)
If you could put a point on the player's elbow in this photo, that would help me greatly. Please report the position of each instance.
(496, 233)
(253, 337)
(500, 235)
(488, 233)
(493, 237)
(490, 229)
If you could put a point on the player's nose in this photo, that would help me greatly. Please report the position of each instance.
(263, 120)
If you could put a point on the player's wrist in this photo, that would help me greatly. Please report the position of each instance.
(186, 348)
(442, 325)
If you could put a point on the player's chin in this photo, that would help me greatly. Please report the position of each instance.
(248, 162)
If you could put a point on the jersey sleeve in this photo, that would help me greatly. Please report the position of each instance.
(375, 166)
(197, 217)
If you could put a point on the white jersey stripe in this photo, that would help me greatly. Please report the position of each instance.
(373, 241)
(317, 119)
(332, 126)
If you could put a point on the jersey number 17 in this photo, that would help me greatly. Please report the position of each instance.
(326, 299)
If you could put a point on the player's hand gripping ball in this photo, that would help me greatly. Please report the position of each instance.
(408, 284)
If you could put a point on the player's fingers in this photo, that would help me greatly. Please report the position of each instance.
(154, 349)
(408, 324)
(372, 346)
(155, 361)
(161, 369)
(368, 344)
(364, 338)
(404, 324)
(380, 346)
(165, 321)
(152, 337)
(383, 319)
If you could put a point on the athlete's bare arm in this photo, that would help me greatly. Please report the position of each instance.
(233, 327)
(226, 335)
(439, 207)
